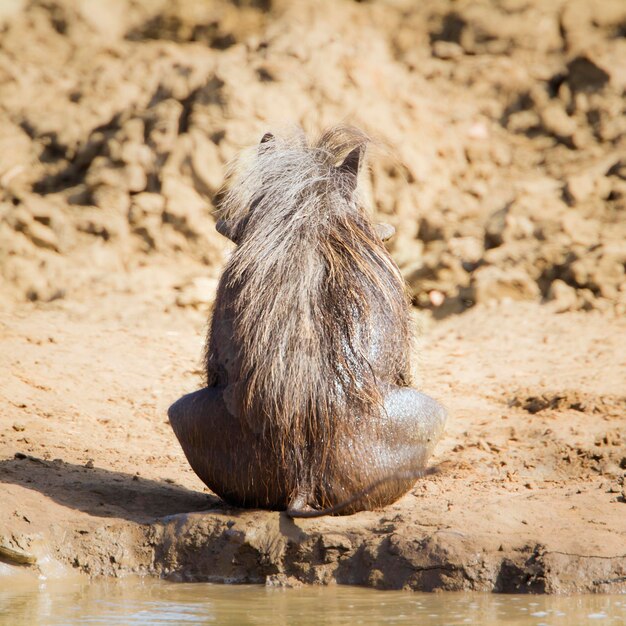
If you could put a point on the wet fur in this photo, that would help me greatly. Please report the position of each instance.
(309, 344)
(300, 284)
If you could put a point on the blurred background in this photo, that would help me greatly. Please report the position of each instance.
(504, 126)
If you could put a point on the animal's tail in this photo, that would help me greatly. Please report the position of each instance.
(337, 508)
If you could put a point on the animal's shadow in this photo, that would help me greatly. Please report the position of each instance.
(104, 493)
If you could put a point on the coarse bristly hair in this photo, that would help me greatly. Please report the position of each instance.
(303, 283)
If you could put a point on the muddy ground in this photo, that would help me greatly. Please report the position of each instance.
(502, 163)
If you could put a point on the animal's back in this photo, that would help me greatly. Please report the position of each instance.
(311, 304)
(307, 403)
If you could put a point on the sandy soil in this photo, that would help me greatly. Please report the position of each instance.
(506, 180)
(529, 495)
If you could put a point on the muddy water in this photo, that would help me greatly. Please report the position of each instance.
(137, 602)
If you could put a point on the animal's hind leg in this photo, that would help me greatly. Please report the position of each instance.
(194, 413)
(413, 423)
(224, 452)
(373, 468)
(199, 420)
(196, 410)
(218, 446)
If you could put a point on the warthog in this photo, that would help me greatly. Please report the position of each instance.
(307, 405)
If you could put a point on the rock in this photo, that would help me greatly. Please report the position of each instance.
(580, 271)
(105, 223)
(523, 121)
(601, 275)
(181, 199)
(447, 50)
(108, 21)
(40, 209)
(562, 297)
(9, 9)
(587, 298)
(608, 275)
(149, 236)
(206, 165)
(15, 555)
(468, 249)
(336, 541)
(494, 228)
(162, 125)
(518, 227)
(579, 187)
(103, 172)
(283, 581)
(509, 224)
(135, 153)
(556, 121)
(143, 204)
(42, 291)
(494, 283)
(32, 282)
(136, 179)
(185, 210)
(431, 228)
(585, 75)
(145, 218)
(41, 235)
(198, 292)
(112, 197)
(580, 230)
(618, 169)
(603, 187)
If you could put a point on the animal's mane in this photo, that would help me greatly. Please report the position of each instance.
(306, 275)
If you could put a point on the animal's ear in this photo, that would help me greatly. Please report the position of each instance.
(267, 137)
(227, 229)
(384, 231)
(352, 162)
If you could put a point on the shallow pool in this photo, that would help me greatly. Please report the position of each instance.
(137, 601)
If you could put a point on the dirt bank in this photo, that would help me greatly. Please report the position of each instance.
(529, 495)
(503, 135)
(505, 177)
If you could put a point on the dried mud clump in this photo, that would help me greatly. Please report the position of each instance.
(505, 176)
(603, 405)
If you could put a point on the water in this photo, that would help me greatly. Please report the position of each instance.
(136, 602)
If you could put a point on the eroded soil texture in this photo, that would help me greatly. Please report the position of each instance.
(501, 161)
